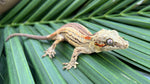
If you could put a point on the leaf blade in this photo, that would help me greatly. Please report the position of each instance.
(16, 61)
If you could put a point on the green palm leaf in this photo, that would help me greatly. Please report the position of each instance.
(42, 17)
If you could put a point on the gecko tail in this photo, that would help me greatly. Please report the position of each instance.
(27, 35)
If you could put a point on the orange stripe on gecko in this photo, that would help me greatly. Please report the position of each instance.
(100, 45)
(87, 37)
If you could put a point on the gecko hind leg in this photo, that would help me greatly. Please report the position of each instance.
(51, 50)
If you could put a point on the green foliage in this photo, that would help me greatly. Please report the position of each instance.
(42, 17)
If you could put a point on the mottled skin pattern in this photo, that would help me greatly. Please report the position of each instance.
(83, 40)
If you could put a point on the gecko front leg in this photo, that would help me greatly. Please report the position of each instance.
(51, 50)
(76, 52)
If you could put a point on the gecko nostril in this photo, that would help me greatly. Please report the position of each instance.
(126, 45)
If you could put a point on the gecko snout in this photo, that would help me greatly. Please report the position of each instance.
(125, 45)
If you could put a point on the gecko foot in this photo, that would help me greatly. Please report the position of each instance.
(50, 52)
(70, 65)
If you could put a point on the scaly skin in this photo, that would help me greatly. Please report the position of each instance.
(83, 40)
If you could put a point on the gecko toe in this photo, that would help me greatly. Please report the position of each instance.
(49, 55)
(44, 55)
(65, 63)
(75, 66)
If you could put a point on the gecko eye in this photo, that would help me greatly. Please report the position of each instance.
(109, 42)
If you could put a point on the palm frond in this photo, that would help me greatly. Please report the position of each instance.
(42, 17)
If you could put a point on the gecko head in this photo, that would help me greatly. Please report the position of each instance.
(109, 40)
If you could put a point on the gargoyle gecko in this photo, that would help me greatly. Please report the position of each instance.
(83, 40)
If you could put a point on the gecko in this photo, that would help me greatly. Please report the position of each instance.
(82, 39)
